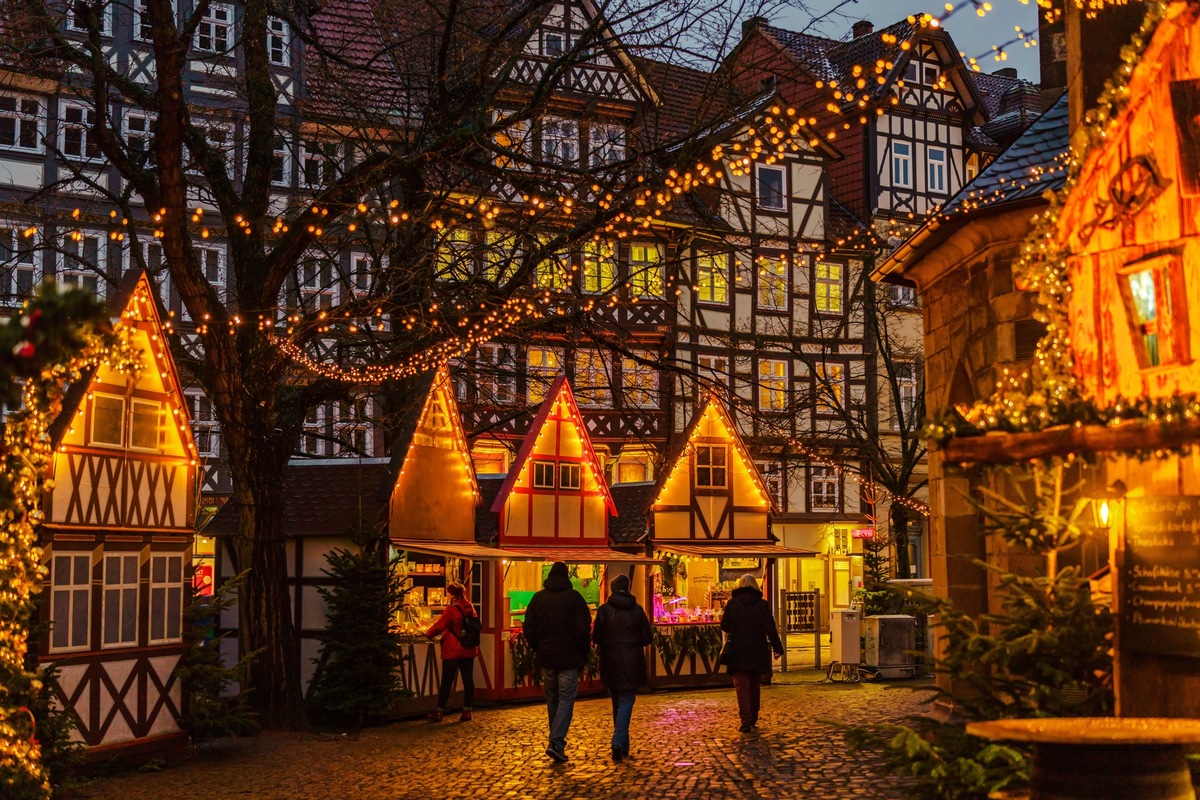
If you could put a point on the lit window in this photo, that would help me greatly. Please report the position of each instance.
(542, 367)
(490, 461)
(773, 282)
(20, 128)
(554, 271)
(901, 164)
(214, 34)
(279, 40)
(120, 600)
(166, 599)
(70, 601)
(831, 388)
(569, 476)
(646, 271)
(937, 170)
(606, 145)
(500, 256)
(454, 257)
(543, 474)
(711, 469)
(495, 375)
(712, 277)
(19, 262)
(772, 188)
(592, 384)
(515, 144)
(1157, 310)
(828, 287)
(972, 167)
(639, 382)
(145, 424)
(108, 420)
(560, 140)
(599, 267)
(772, 385)
(823, 488)
(75, 132)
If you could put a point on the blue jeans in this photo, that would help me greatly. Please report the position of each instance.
(622, 702)
(562, 685)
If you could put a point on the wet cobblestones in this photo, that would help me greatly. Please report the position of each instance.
(684, 745)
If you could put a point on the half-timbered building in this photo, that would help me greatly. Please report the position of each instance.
(117, 541)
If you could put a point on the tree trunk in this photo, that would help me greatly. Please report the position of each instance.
(900, 539)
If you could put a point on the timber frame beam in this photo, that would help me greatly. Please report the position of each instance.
(1007, 448)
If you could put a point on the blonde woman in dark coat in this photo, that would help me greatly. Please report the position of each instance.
(748, 622)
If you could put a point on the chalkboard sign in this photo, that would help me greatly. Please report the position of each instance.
(1160, 601)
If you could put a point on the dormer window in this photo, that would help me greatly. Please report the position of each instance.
(931, 74)
(1156, 307)
(712, 471)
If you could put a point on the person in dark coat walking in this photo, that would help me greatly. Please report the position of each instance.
(558, 626)
(456, 659)
(622, 631)
(752, 637)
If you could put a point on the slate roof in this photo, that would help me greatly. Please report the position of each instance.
(1034, 163)
(630, 525)
(323, 497)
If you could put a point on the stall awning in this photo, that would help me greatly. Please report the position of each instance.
(575, 555)
(733, 550)
(475, 552)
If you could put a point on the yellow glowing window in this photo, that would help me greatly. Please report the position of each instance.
(553, 272)
(500, 257)
(145, 425)
(454, 256)
(712, 277)
(108, 417)
(772, 282)
(831, 388)
(772, 385)
(542, 366)
(599, 267)
(828, 287)
(645, 270)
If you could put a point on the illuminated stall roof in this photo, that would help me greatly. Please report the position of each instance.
(740, 550)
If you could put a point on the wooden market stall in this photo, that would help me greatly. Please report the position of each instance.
(711, 525)
(117, 542)
(554, 505)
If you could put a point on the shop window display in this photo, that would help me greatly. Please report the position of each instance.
(695, 590)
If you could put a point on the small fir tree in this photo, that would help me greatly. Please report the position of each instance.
(213, 708)
(358, 673)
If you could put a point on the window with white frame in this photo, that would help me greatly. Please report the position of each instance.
(822, 488)
(166, 598)
(902, 295)
(205, 427)
(554, 271)
(646, 279)
(772, 475)
(902, 164)
(906, 394)
(771, 187)
(214, 34)
(554, 43)
(827, 287)
(560, 140)
(772, 385)
(495, 375)
(21, 123)
(108, 420)
(831, 388)
(454, 258)
(279, 42)
(315, 280)
(281, 162)
(120, 600)
(19, 261)
(930, 74)
(145, 424)
(714, 369)
(219, 137)
(972, 168)
(936, 157)
(353, 427)
(318, 163)
(143, 28)
(599, 267)
(75, 138)
(773, 282)
(606, 145)
(639, 381)
(212, 265)
(712, 468)
(500, 256)
(83, 261)
(542, 366)
(70, 601)
(593, 387)
(314, 437)
(633, 467)
(77, 17)
(570, 476)
(139, 137)
(543, 475)
(912, 72)
(712, 277)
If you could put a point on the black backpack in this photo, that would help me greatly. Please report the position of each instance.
(471, 629)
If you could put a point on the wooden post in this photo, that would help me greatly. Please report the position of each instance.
(816, 627)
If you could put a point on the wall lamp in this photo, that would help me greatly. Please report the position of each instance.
(1102, 505)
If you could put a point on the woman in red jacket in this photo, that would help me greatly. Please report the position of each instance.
(455, 657)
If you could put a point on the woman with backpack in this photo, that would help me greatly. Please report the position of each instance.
(622, 631)
(459, 626)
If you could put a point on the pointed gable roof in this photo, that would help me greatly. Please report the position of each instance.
(135, 301)
(684, 446)
(559, 388)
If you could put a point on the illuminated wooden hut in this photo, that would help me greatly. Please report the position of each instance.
(118, 541)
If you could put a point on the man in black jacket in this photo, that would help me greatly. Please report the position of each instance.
(622, 632)
(557, 627)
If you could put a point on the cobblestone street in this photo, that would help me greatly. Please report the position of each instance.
(685, 745)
